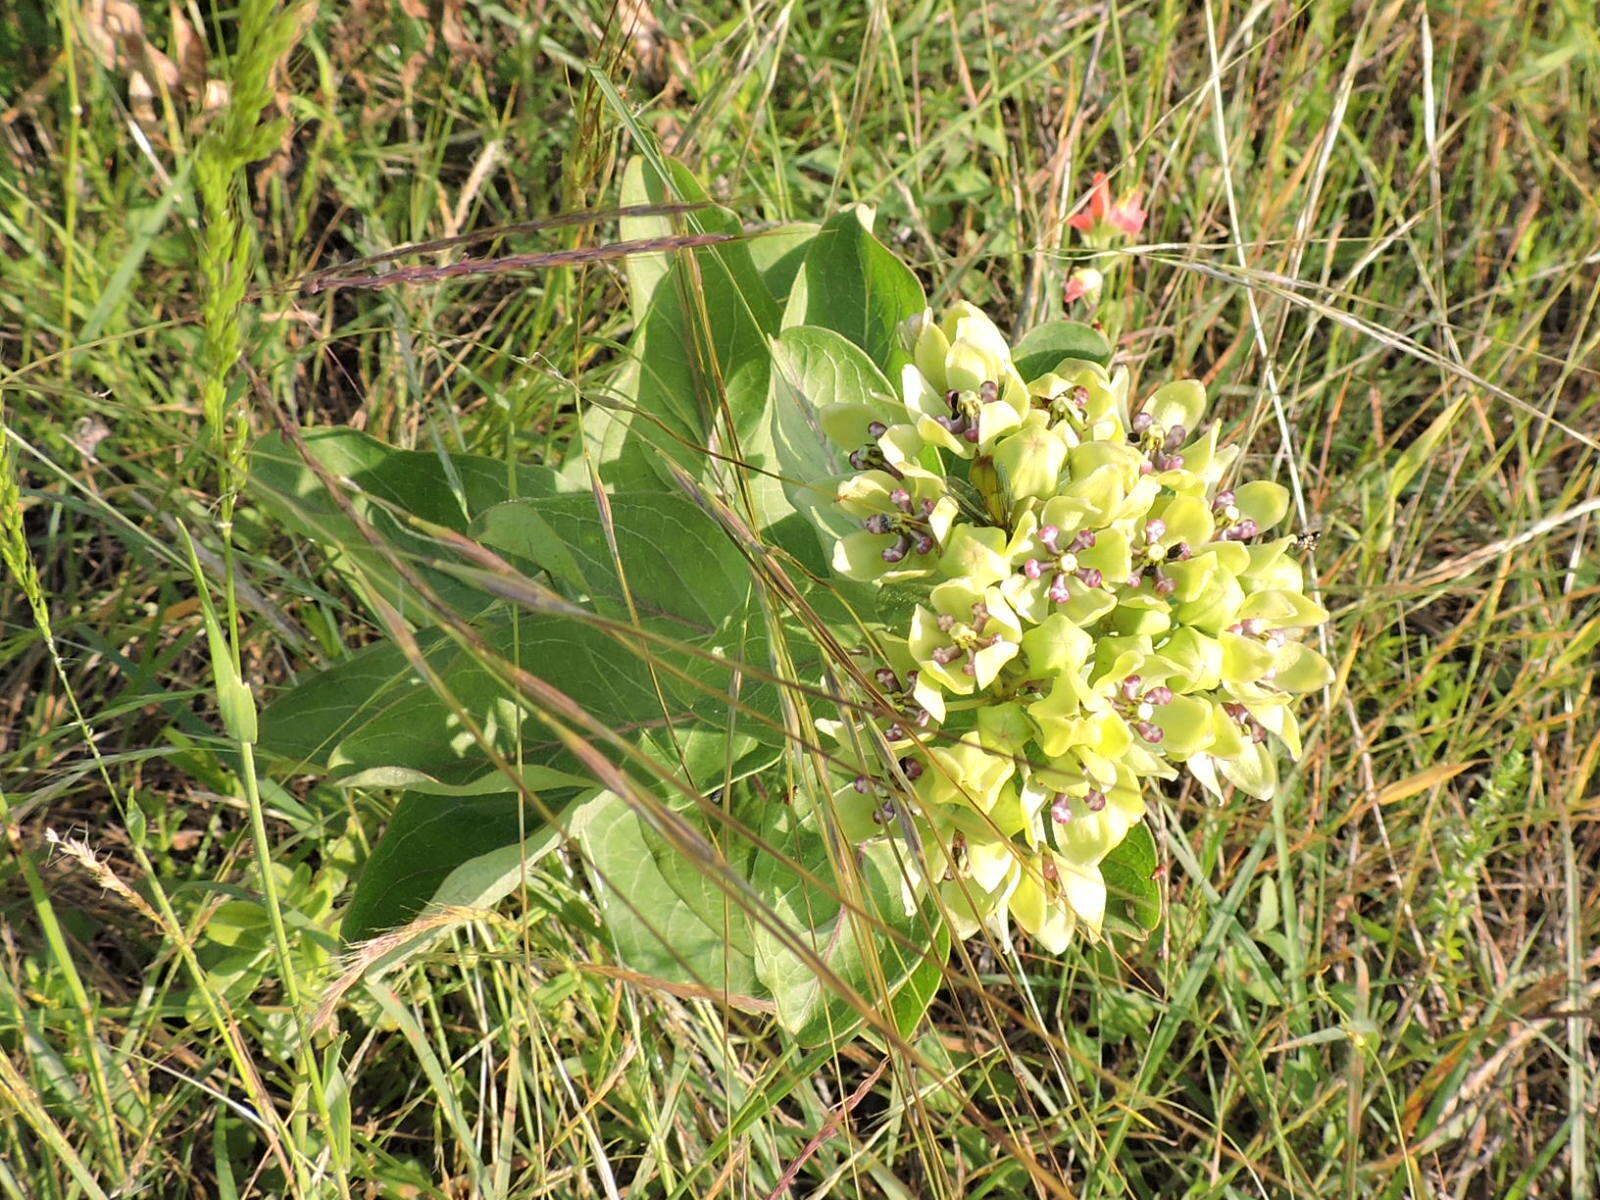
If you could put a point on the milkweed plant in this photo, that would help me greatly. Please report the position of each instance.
(1044, 589)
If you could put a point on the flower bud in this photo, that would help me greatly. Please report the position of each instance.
(1083, 284)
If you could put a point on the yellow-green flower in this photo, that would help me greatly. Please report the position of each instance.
(904, 521)
(960, 389)
(1102, 610)
(1029, 460)
(965, 637)
(1053, 897)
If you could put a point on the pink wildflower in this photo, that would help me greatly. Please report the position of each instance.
(1126, 215)
(1099, 203)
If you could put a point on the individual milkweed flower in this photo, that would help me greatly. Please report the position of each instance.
(964, 638)
(977, 863)
(896, 697)
(862, 805)
(1092, 710)
(1252, 509)
(965, 773)
(1261, 647)
(1161, 538)
(860, 432)
(1029, 460)
(1066, 567)
(979, 554)
(1254, 771)
(1085, 398)
(1272, 567)
(1259, 713)
(1089, 721)
(1107, 484)
(965, 901)
(1165, 420)
(1083, 822)
(904, 519)
(1196, 467)
(964, 810)
(963, 421)
(961, 389)
(962, 349)
(1053, 896)
(1104, 217)
(1187, 723)
(974, 868)
(1204, 589)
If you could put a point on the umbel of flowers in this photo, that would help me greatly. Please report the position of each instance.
(1101, 609)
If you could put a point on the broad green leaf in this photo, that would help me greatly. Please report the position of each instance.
(410, 779)
(738, 917)
(851, 283)
(778, 254)
(430, 839)
(814, 368)
(490, 877)
(675, 560)
(1043, 348)
(443, 489)
(369, 719)
(912, 1000)
(606, 448)
(702, 320)
(446, 490)
(666, 915)
(608, 444)
(370, 712)
(305, 724)
(871, 948)
(643, 185)
(1129, 873)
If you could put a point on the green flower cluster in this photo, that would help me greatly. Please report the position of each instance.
(1100, 610)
